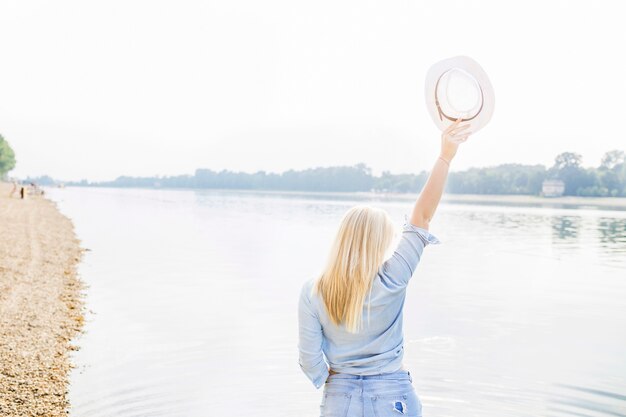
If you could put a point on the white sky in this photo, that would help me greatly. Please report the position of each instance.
(100, 89)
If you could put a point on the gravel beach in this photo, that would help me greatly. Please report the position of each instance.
(41, 308)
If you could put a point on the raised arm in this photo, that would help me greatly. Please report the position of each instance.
(428, 200)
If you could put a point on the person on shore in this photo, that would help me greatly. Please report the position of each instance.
(363, 374)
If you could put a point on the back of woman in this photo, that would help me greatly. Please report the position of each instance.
(350, 317)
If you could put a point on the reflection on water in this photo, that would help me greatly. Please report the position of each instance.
(612, 230)
(566, 227)
(193, 298)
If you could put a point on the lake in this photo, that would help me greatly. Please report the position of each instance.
(192, 304)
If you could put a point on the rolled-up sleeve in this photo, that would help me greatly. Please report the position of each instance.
(311, 357)
(399, 268)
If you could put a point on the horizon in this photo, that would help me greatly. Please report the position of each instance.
(374, 174)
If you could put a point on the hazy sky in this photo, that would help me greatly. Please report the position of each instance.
(99, 89)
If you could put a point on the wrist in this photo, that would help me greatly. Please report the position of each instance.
(445, 159)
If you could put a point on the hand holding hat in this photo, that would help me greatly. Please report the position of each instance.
(452, 137)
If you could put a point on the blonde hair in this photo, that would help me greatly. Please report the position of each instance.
(358, 251)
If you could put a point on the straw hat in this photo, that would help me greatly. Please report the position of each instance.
(459, 87)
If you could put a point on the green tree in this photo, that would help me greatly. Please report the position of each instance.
(612, 173)
(501, 179)
(7, 157)
(613, 158)
(567, 160)
(567, 167)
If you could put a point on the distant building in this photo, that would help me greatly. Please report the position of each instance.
(552, 188)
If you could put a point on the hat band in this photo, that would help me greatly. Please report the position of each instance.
(442, 114)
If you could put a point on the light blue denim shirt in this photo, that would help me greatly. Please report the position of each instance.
(379, 346)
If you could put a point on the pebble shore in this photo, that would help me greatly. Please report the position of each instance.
(41, 305)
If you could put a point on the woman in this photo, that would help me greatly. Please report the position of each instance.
(364, 375)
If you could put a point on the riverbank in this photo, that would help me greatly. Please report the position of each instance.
(512, 200)
(40, 305)
(613, 203)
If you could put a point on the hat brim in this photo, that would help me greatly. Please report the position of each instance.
(471, 67)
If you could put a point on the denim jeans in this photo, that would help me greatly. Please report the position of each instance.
(385, 395)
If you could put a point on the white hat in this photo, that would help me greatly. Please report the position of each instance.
(459, 87)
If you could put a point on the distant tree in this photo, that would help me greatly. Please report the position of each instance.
(42, 180)
(568, 167)
(399, 183)
(612, 174)
(607, 180)
(568, 160)
(612, 158)
(7, 157)
(501, 179)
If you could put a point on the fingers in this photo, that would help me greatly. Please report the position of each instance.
(454, 125)
(460, 138)
(457, 135)
(460, 133)
(457, 132)
(459, 129)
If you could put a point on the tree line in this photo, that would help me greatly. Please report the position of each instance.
(606, 180)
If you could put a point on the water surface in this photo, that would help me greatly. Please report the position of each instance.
(192, 299)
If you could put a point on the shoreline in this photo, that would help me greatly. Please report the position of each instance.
(520, 200)
(41, 305)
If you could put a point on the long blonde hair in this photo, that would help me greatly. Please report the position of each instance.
(358, 251)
